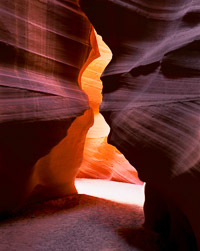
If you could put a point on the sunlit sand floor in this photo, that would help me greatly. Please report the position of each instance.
(110, 219)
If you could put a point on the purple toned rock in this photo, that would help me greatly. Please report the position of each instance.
(151, 91)
(44, 47)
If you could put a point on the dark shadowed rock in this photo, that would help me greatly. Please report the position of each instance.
(151, 91)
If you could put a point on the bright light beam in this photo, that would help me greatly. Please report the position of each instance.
(112, 190)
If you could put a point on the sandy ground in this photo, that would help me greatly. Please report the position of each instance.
(83, 222)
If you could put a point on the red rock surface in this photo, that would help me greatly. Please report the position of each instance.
(44, 110)
(44, 114)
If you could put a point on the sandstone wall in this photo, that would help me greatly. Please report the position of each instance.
(44, 114)
(151, 91)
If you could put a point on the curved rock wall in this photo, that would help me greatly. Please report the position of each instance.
(44, 114)
(45, 47)
(151, 91)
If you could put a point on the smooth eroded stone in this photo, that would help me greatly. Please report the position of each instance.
(151, 98)
(44, 47)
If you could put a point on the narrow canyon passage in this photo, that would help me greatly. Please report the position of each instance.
(45, 115)
(100, 159)
(60, 180)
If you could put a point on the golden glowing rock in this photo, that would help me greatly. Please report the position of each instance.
(54, 174)
(101, 160)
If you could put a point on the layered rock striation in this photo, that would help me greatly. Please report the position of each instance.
(151, 91)
(44, 114)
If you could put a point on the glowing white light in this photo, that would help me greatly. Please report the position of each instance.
(112, 190)
(99, 129)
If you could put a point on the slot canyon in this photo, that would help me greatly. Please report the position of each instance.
(101, 94)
